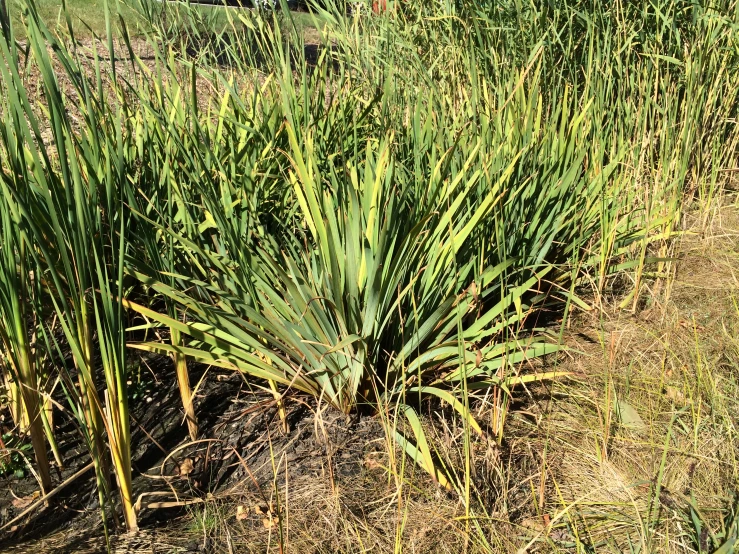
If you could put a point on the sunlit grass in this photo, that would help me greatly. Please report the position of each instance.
(380, 219)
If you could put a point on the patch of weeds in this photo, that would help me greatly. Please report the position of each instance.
(207, 520)
(139, 390)
(705, 540)
(12, 456)
(140, 384)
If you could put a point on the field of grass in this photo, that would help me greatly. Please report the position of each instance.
(89, 11)
(472, 265)
(87, 17)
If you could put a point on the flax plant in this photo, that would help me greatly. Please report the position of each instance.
(18, 352)
(69, 193)
(160, 253)
(325, 321)
(526, 165)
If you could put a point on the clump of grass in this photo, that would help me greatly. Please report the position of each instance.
(663, 480)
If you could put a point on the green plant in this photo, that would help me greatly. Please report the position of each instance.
(19, 302)
(704, 539)
(397, 217)
(13, 458)
(67, 202)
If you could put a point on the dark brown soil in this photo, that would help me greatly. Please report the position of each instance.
(241, 440)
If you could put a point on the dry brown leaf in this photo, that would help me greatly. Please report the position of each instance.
(186, 467)
(261, 509)
(675, 394)
(372, 463)
(691, 325)
(241, 513)
(24, 501)
(535, 524)
(560, 535)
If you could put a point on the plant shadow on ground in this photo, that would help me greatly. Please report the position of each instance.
(242, 436)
